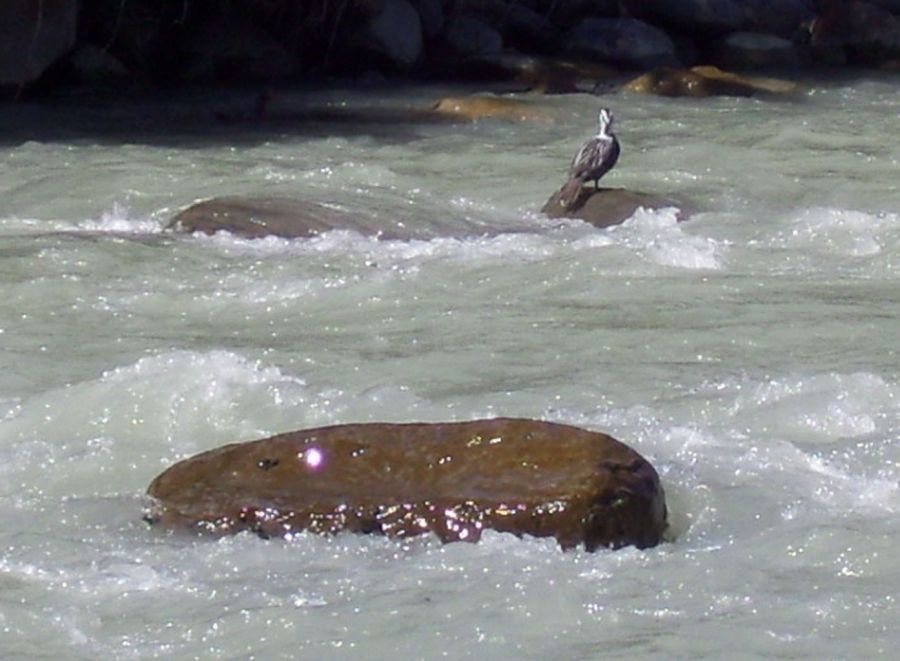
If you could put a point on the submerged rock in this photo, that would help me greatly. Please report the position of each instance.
(610, 206)
(285, 217)
(295, 218)
(455, 480)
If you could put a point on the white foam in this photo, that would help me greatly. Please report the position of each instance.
(119, 220)
(824, 407)
(394, 253)
(819, 408)
(841, 231)
(658, 237)
(160, 407)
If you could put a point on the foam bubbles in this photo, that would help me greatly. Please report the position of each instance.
(132, 417)
(658, 237)
(841, 231)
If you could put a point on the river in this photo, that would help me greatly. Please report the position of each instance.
(749, 353)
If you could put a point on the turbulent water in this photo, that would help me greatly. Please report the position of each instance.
(750, 353)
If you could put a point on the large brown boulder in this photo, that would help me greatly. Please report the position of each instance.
(33, 35)
(455, 480)
(610, 206)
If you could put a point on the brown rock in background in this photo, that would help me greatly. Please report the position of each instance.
(455, 480)
(703, 81)
(486, 107)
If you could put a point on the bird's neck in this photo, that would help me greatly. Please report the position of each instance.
(603, 132)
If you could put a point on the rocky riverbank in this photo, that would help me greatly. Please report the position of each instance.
(64, 43)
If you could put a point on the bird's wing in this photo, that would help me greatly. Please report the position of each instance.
(595, 158)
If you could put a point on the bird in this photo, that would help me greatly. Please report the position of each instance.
(596, 157)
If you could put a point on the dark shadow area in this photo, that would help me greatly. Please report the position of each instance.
(224, 115)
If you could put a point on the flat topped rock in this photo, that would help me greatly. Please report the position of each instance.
(705, 81)
(286, 217)
(254, 217)
(610, 206)
(455, 480)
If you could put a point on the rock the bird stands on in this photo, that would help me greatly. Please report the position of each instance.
(455, 480)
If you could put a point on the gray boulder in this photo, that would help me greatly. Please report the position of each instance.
(521, 26)
(33, 35)
(226, 48)
(394, 33)
(863, 32)
(892, 6)
(752, 50)
(469, 35)
(98, 66)
(692, 16)
(783, 18)
(624, 41)
(431, 16)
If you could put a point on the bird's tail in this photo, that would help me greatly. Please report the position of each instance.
(570, 193)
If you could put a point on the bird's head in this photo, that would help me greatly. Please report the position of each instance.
(605, 120)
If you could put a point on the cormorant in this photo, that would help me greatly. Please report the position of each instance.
(596, 157)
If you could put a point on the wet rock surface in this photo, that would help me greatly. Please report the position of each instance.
(454, 480)
(611, 206)
(255, 217)
(476, 107)
(704, 81)
(285, 217)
